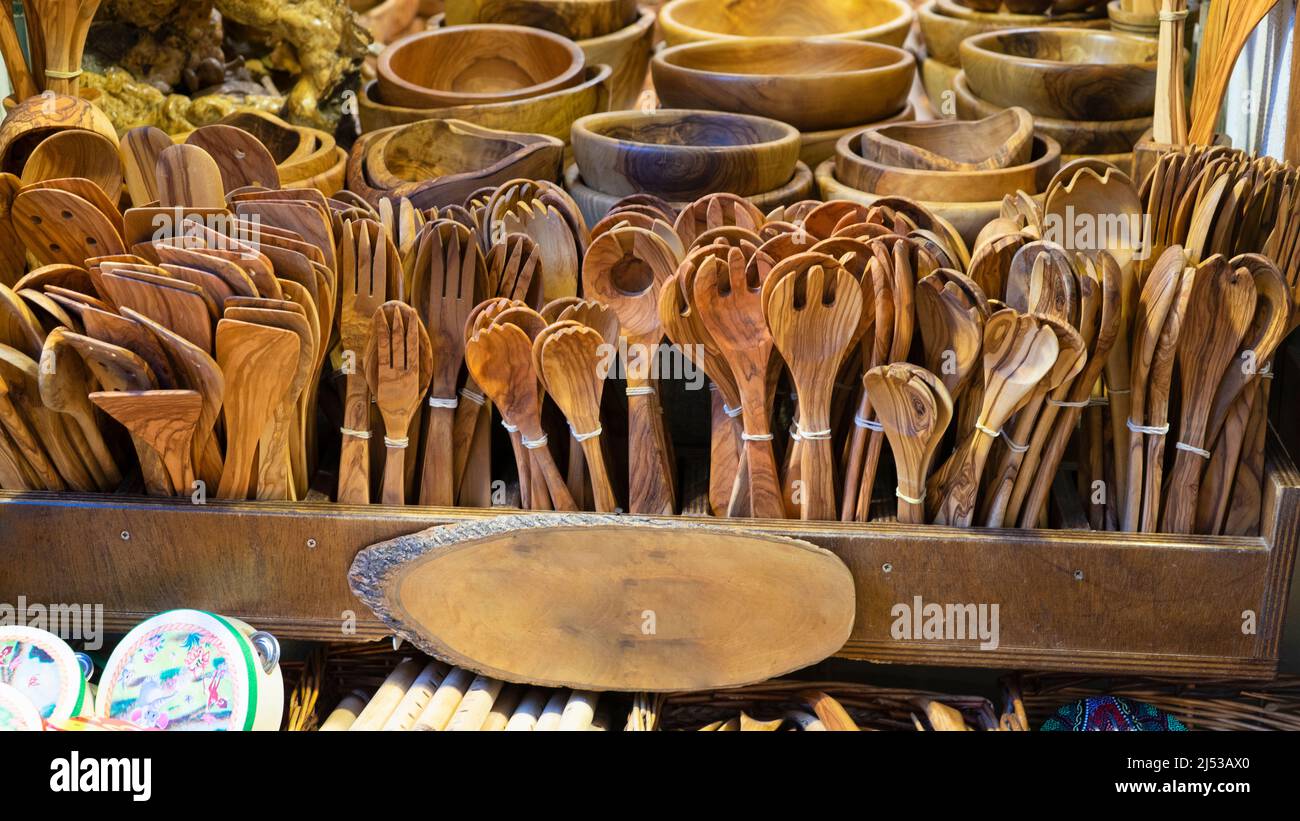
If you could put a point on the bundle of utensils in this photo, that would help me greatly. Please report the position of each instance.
(56, 37)
(426, 695)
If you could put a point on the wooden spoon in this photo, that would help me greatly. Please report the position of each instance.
(162, 421)
(915, 409)
(571, 366)
(1218, 317)
(813, 317)
(259, 364)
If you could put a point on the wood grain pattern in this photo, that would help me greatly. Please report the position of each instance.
(399, 365)
(834, 84)
(577, 643)
(76, 153)
(575, 19)
(915, 409)
(1002, 140)
(65, 383)
(37, 117)
(161, 421)
(681, 154)
(882, 21)
(571, 369)
(363, 272)
(139, 149)
(59, 227)
(240, 156)
(188, 176)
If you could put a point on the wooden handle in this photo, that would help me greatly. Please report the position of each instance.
(20, 79)
(649, 486)
(764, 486)
(724, 457)
(437, 476)
(274, 468)
(354, 452)
(544, 469)
(1152, 488)
(817, 473)
(394, 488)
(464, 430)
(855, 459)
(601, 486)
(1184, 489)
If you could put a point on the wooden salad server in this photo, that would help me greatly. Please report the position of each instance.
(915, 409)
(162, 421)
(813, 318)
(399, 365)
(363, 270)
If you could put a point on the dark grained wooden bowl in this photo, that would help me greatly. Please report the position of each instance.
(1065, 73)
(681, 154)
(881, 21)
(479, 64)
(1032, 177)
(814, 84)
(575, 19)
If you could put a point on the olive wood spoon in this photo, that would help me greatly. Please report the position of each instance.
(914, 408)
(571, 366)
(399, 365)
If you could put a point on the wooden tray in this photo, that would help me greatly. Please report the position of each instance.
(1068, 600)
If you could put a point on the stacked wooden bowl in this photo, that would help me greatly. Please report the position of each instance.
(959, 169)
(615, 33)
(436, 163)
(496, 76)
(680, 155)
(1092, 91)
(822, 86)
(946, 23)
(880, 21)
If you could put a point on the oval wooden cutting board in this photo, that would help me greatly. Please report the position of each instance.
(598, 602)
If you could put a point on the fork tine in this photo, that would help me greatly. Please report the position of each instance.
(349, 260)
(468, 269)
(452, 254)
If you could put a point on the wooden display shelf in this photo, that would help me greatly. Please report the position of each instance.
(1069, 600)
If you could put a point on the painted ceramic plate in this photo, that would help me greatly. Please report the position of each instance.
(16, 712)
(91, 724)
(190, 670)
(44, 668)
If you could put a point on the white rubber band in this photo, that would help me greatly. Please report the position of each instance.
(1172, 16)
(756, 437)
(396, 443)
(812, 434)
(1119, 391)
(1098, 402)
(356, 434)
(869, 424)
(794, 432)
(1201, 452)
(713, 387)
(1012, 446)
(911, 501)
(582, 437)
(731, 412)
(509, 427)
(476, 398)
(1154, 430)
(440, 402)
(987, 431)
(533, 444)
(641, 391)
(1061, 403)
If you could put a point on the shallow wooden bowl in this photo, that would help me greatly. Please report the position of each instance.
(479, 64)
(1000, 140)
(436, 163)
(575, 19)
(946, 186)
(1065, 73)
(1012, 19)
(680, 154)
(815, 146)
(881, 21)
(595, 204)
(967, 218)
(552, 114)
(1075, 136)
(942, 32)
(329, 181)
(814, 84)
(28, 122)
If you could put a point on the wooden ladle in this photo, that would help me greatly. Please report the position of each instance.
(915, 410)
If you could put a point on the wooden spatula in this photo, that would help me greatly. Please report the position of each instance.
(59, 227)
(259, 364)
(240, 157)
(65, 383)
(161, 421)
(139, 150)
(188, 176)
(399, 365)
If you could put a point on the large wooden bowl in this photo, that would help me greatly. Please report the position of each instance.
(967, 218)
(1032, 177)
(881, 21)
(595, 204)
(816, 146)
(1000, 140)
(551, 114)
(435, 163)
(1075, 136)
(943, 32)
(681, 154)
(814, 84)
(575, 19)
(479, 64)
(1065, 73)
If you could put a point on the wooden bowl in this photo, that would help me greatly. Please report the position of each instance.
(299, 152)
(881, 21)
(1065, 73)
(552, 114)
(30, 121)
(814, 84)
(967, 218)
(816, 146)
(436, 163)
(1075, 136)
(1011, 19)
(1000, 140)
(595, 204)
(943, 32)
(945, 186)
(330, 180)
(480, 64)
(680, 154)
(575, 19)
